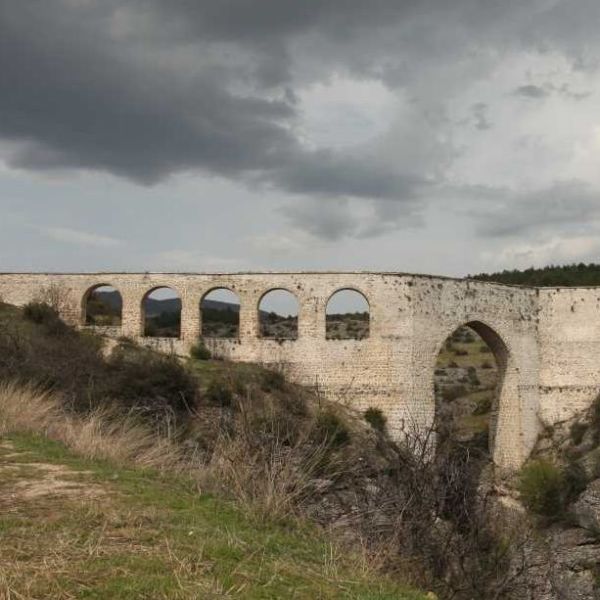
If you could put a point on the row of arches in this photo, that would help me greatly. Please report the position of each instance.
(468, 376)
(347, 313)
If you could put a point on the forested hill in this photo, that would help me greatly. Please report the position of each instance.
(566, 275)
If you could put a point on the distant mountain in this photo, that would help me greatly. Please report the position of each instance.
(168, 305)
(567, 275)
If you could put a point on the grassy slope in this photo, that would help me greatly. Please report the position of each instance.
(139, 534)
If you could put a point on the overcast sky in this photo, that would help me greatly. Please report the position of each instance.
(448, 137)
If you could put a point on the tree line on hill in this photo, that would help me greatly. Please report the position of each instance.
(573, 275)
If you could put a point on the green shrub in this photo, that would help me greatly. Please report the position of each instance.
(149, 383)
(577, 432)
(43, 314)
(153, 386)
(486, 364)
(273, 380)
(375, 418)
(200, 351)
(484, 406)
(451, 393)
(542, 488)
(330, 430)
(219, 393)
(460, 352)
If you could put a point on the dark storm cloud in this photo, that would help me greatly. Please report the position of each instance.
(72, 100)
(114, 86)
(147, 88)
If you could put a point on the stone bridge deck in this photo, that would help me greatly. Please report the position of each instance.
(546, 341)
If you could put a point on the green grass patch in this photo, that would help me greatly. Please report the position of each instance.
(151, 535)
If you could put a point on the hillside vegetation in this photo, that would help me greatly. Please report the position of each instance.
(91, 508)
(567, 275)
(131, 474)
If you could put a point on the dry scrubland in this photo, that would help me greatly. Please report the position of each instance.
(98, 507)
(164, 491)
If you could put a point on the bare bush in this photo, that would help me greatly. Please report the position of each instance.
(54, 295)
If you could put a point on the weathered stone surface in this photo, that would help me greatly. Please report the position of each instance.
(587, 508)
(559, 564)
(546, 341)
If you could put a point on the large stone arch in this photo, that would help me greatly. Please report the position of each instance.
(514, 425)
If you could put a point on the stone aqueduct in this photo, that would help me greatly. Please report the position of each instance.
(546, 341)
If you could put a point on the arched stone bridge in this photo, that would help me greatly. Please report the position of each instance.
(546, 341)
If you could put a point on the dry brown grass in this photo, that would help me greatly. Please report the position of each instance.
(103, 434)
(265, 474)
(271, 479)
(72, 525)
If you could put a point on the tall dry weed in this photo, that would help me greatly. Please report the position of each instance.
(102, 434)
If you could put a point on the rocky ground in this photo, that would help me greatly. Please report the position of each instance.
(563, 557)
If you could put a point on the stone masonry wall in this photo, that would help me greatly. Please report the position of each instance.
(546, 341)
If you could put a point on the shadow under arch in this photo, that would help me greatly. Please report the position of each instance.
(102, 305)
(469, 386)
(161, 314)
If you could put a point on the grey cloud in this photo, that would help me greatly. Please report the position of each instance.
(548, 88)
(479, 111)
(531, 91)
(338, 218)
(560, 206)
(78, 95)
(147, 88)
(330, 220)
(72, 101)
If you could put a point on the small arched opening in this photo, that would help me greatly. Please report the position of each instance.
(278, 315)
(468, 381)
(220, 314)
(347, 316)
(161, 312)
(102, 306)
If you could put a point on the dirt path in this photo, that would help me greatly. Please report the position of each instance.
(23, 479)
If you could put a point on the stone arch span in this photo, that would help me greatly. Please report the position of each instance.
(347, 314)
(148, 313)
(278, 321)
(114, 307)
(495, 344)
(222, 319)
(552, 337)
